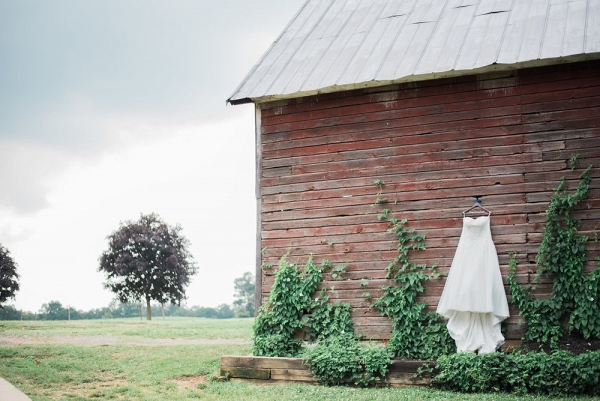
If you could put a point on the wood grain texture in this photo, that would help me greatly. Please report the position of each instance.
(268, 370)
(507, 136)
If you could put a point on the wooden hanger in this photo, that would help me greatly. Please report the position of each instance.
(477, 205)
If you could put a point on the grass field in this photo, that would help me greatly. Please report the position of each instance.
(40, 363)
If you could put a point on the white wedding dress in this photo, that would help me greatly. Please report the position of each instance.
(473, 299)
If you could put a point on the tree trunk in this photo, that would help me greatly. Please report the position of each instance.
(162, 310)
(148, 310)
(140, 310)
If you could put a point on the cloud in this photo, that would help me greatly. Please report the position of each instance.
(110, 109)
(24, 168)
(82, 79)
(207, 186)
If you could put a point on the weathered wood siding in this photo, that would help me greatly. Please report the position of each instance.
(435, 144)
(265, 370)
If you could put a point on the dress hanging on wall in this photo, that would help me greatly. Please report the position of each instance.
(473, 299)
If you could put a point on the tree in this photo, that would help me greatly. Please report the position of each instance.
(224, 311)
(9, 284)
(53, 310)
(244, 295)
(148, 260)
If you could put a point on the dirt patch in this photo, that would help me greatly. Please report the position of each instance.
(93, 389)
(111, 340)
(189, 382)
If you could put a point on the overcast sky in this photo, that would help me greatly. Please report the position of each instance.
(115, 108)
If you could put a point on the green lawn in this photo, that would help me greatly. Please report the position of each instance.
(171, 328)
(175, 372)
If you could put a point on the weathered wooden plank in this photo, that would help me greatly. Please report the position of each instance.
(358, 195)
(424, 134)
(395, 110)
(564, 98)
(246, 373)
(544, 102)
(545, 197)
(376, 270)
(404, 379)
(444, 91)
(372, 243)
(412, 135)
(305, 188)
(387, 240)
(487, 163)
(380, 260)
(294, 375)
(562, 135)
(560, 115)
(427, 214)
(410, 127)
(451, 206)
(256, 362)
(340, 208)
(581, 153)
(339, 255)
(390, 146)
(373, 332)
(396, 119)
(376, 161)
(352, 233)
(407, 365)
(523, 278)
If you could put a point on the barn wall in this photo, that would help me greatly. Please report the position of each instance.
(435, 144)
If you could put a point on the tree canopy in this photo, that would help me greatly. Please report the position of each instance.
(54, 310)
(9, 284)
(148, 260)
(244, 295)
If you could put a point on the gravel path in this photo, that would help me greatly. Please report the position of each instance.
(111, 340)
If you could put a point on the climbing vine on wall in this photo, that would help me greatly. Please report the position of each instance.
(286, 312)
(562, 255)
(416, 333)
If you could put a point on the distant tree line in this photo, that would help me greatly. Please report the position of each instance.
(243, 306)
(54, 310)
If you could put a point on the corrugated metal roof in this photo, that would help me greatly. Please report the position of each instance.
(343, 44)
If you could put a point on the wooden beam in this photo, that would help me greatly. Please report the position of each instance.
(258, 161)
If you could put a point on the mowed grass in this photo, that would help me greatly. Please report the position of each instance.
(169, 328)
(175, 372)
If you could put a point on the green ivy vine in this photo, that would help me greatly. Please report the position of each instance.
(290, 312)
(327, 319)
(416, 333)
(290, 308)
(342, 359)
(561, 255)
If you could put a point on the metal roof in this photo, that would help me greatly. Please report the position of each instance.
(333, 45)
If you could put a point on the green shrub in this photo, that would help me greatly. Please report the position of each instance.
(561, 373)
(342, 360)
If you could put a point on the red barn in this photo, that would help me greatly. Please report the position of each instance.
(441, 100)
